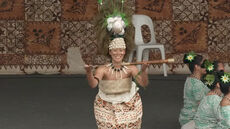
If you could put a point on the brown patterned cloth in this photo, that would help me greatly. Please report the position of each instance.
(200, 26)
(12, 9)
(190, 35)
(219, 9)
(38, 33)
(120, 116)
(43, 38)
(157, 9)
(79, 9)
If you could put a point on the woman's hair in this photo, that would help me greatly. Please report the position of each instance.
(224, 86)
(211, 67)
(215, 63)
(191, 64)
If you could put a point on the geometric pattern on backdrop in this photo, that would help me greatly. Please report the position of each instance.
(39, 32)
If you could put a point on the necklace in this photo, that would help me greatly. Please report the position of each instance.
(115, 70)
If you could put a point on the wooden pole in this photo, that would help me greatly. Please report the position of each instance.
(150, 62)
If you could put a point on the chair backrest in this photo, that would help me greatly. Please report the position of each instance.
(138, 21)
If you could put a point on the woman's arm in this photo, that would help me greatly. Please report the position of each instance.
(199, 90)
(93, 80)
(141, 76)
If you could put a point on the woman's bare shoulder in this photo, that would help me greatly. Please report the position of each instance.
(100, 71)
(102, 67)
(224, 102)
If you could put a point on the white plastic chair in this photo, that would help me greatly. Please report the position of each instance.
(138, 21)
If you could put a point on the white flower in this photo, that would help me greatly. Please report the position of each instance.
(225, 78)
(209, 83)
(116, 25)
(190, 57)
(210, 68)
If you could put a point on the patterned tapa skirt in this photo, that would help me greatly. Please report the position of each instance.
(118, 116)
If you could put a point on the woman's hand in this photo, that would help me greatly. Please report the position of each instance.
(144, 67)
(89, 74)
(88, 68)
(140, 76)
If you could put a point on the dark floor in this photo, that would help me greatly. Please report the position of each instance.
(66, 102)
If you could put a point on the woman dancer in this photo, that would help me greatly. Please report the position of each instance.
(194, 89)
(207, 114)
(117, 104)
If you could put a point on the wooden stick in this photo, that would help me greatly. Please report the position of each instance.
(150, 62)
(171, 60)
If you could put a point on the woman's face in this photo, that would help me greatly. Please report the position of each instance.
(117, 54)
(201, 69)
(220, 67)
(217, 85)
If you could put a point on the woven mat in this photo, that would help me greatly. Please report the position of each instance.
(36, 34)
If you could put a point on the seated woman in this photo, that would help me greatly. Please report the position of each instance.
(224, 108)
(194, 89)
(207, 114)
(218, 66)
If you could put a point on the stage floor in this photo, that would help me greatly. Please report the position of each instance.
(66, 102)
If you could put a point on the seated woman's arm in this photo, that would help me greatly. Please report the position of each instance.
(199, 91)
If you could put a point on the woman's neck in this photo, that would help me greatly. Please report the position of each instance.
(227, 95)
(226, 100)
(196, 75)
(216, 91)
(116, 64)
